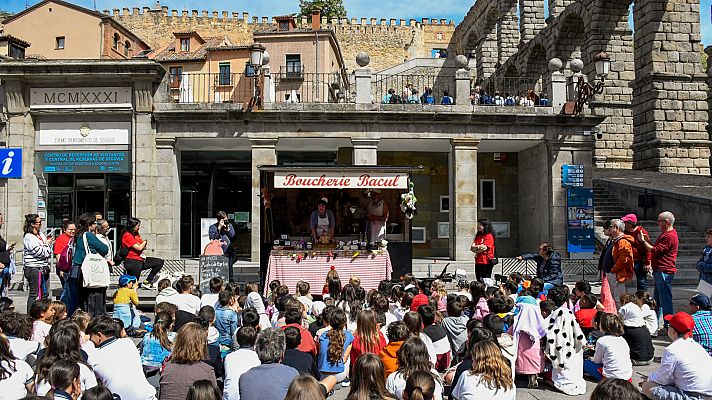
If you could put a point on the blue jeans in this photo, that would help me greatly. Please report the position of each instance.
(641, 275)
(663, 293)
(127, 314)
(72, 289)
(592, 369)
(64, 296)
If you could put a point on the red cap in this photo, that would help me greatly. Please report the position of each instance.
(630, 218)
(418, 301)
(681, 321)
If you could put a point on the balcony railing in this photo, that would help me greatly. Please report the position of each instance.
(212, 88)
(509, 91)
(291, 73)
(305, 87)
(412, 89)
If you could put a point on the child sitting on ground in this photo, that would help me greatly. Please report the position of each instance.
(635, 332)
(60, 311)
(586, 313)
(547, 307)
(41, 312)
(125, 302)
(335, 347)
(305, 297)
(611, 359)
(648, 306)
(156, 345)
(211, 299)
(208, 314)
(165, 291)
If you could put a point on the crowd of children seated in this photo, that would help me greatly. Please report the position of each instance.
(407, 340)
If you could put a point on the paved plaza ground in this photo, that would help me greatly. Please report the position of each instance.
(681, 296)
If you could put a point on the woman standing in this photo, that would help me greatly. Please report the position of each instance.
(483, 247)
(92, 300)
(186, 364)
(36, 254)
(64, 240)
(136, 261)
(102, 229)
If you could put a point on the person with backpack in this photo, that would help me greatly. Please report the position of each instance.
(446, 100)
(63, 248)
(92, 300)
(621, 269)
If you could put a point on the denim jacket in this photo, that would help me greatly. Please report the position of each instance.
(226, 323)
(705, 265)
(152, 353)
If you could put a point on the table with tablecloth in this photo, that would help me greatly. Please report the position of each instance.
(290, 267)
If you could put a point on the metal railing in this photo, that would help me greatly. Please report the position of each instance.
(412, 88)
(212, 87)
(573, 269)
(297, 86)
(508, 91)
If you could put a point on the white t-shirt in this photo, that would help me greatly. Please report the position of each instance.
(22, 348)
(40, 330)
(471, 387)
(13, 388)
(210, 299)
(613, 352)
(651, 319)
(85, 374)
(236, 364)
(117, 363)
(186, 302)
(685, 365)
(396, 384)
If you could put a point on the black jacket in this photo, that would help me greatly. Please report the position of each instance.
(4, 254)
(548, 270)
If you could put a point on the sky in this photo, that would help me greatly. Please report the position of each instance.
(398, 9)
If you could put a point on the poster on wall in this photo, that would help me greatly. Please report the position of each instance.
(579, 220)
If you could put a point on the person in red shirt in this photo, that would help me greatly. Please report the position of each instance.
(585, 315)
(664, 257)
(68, 229)
(135, 261)
(293, 317)
(641, 255)
(368, 338)
(483, 247)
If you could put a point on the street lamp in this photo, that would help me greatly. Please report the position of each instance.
(602, 62)
(257, 52)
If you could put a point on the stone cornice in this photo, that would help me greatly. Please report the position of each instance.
(68, 70)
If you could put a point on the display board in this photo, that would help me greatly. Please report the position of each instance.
(579, 220)
(84, 161)
(211, 266)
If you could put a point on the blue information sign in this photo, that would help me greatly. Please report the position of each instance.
(10, 163)
(579, 220)
(84, 161)
(571, 175)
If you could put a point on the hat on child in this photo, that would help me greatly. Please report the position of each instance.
(700, 300)
(125, 279)
(681, 321)
(630, 218)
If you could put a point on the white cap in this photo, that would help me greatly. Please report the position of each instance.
(632, 315)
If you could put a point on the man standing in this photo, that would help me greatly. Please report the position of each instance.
(224, 232)
(664, 257)
(622, 255)
(641, 255)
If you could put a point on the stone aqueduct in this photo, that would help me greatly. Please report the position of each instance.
(655, 97)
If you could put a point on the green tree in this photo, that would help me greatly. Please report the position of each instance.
(329, 8)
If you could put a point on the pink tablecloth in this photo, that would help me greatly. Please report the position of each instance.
(371, 269)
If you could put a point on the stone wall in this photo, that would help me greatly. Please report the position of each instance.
(388, 42)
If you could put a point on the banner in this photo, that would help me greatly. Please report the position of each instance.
(344, 180)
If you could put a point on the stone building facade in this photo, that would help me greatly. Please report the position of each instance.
(655, 92)
(388, 42)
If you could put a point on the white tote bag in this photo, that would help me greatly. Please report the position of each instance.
(705, 288)
(95, 270)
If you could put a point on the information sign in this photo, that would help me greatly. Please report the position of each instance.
(579, 216)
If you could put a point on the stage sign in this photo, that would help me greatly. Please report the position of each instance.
(579, 220)
(345, 180)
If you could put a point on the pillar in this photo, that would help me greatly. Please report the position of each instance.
(670, 110)
(462, 87)
(508, 32)
(556, 7)
(463, 197)
(167, 211)
(556, 88)
(531, 19)
(363, 86)
(264, 152)
(365, 151)
(708, 51)
(268, 90)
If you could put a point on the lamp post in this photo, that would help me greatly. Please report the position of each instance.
(602, 62)
(257, 52)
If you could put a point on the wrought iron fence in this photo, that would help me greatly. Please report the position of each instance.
(212, 87)
(507, 91)
(573, 269)
(293, 85)
(413, 89)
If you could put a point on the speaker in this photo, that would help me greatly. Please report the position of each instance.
(401, 254)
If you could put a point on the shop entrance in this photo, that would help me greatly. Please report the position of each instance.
(70, 195)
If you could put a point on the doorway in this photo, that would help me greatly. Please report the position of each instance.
(89, 201)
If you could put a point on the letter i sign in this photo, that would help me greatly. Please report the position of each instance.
(11, 163)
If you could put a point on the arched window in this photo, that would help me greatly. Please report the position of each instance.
(127, 48)
(116, 41)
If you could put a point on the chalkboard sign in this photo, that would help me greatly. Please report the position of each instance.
(211, 266)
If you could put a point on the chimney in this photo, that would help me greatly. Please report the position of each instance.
(316, 20)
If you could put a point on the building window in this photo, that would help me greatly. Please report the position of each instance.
(487, 194)
(116, 41)
(419, 234)
(224, 74)
(127, 49)
(283, 26)
(185, 44)
(440, 36)
(176, 76)
(294, 65)
(17, 52)
(59, 42)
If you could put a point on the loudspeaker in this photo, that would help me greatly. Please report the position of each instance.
(401, 254)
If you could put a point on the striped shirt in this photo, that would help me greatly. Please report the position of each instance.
(702, 333)
(36, 252)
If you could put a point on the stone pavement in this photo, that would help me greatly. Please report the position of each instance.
(681, 296)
